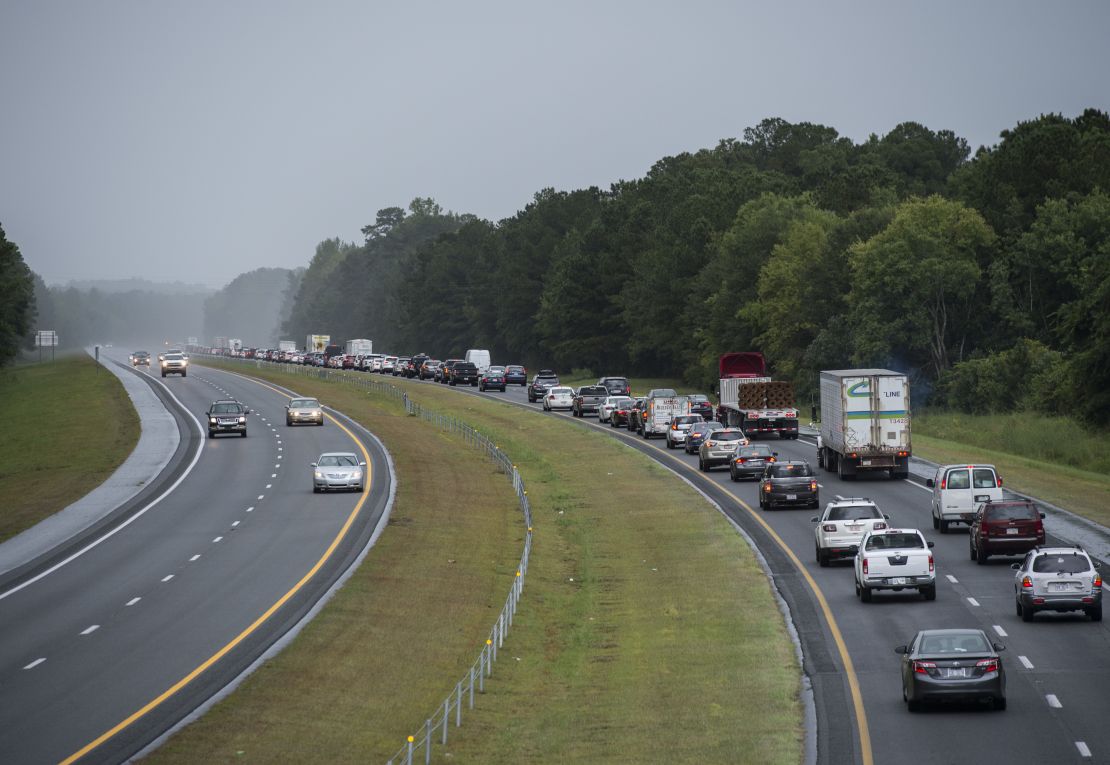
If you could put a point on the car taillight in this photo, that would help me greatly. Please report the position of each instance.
(1096, 583)
(878, 525)
(829, 527)
(674, 427)
(710, 444)
(923, 667)
(864, 565)
(771, 459)
(943, 484)
(1027, 582)
(739, 460)
(987, 665)
(813, 485)
(1000, 482)
(930, 562)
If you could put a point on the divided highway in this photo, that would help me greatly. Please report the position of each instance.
(101, 655)
(1056, 666)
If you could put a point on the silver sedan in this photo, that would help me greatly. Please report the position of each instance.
(304, 410)
(338, 470)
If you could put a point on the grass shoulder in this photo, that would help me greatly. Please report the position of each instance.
(647, 630)
(67, 426)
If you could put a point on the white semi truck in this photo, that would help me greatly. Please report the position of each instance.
(865, 422)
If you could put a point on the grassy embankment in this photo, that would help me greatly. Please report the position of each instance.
(647, 631)
(67, 427)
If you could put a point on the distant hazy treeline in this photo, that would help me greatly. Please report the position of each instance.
(988, 277)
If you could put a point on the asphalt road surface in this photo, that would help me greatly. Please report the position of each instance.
(103, 654)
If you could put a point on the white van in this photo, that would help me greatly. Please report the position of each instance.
(959, 489)
(478, 358)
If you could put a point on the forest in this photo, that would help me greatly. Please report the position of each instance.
(985, 277)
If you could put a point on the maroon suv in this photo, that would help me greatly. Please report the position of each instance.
(1005, 528)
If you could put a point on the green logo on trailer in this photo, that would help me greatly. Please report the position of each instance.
(856, 392)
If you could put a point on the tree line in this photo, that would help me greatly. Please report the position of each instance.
(986, 277)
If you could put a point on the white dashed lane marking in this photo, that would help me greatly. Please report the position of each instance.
(194, 557)
(35, 663)
(1001, 632)
(249, 509)
(236, 523)
(952, 579)
(1083, 750)
(132, 602)
(272, 475)
(1053, 701)
(167, 578)
(217, 539)
(90, 629)
(1025, 662)
(260, 496)
(268, 486)
(973, 601)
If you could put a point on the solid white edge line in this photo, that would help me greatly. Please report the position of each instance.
(90, 629)
(973, 601)
(918, 485)
(133, 518)
(35, 663)
(1025, 662)
(1084, 751)
(1001, 632)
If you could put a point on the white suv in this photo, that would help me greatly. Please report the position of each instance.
(841, 527)
(959, 489)
(680, 425)
(1057, 579)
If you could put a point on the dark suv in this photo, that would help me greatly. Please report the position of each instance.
(788, 483)
(227, 417)
(617, 386)
(1005, 528)
(543, 380)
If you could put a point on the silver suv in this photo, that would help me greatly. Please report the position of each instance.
(1057, 579)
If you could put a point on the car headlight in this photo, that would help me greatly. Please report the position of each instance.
(356, 474)
(242, 420)
(319, 474)
(211, 420)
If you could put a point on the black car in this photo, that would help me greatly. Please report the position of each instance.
(617, 386)
(412, 368)
(619, 415)
(952, 665)
(443, 374)
(463, 373)
(697, 434)
(699, 404)
(543, 380)
(227, 416)
(788, 483)
(140, 357)
(636, 415)
(492, 379)
(750, 461)
(515, 374)
(429, 369)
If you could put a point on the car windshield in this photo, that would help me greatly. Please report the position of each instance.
(495, 371)
(1020, 512)
(561, 392)
(755, 451)
(895, 541)
(789, 470)
(697, 398)
(594, 390)
(663, 393)
(854, 513)
(173, 356)
(1061, 563)
(225, 409)
(688, 419)
(728, 435)
(970, 642)
(338, 460)
(304, 403)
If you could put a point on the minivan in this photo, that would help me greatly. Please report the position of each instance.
(959, 489)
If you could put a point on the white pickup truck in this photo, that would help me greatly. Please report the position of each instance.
(895, 559)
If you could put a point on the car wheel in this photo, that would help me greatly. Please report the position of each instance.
(1000, 704)
(670, 445)
(481, 389)
(211, 434)
(163, 374)
(936, 523)
(1095, 612)
(1017, 606)
(243, 434)
(732, 475)
(822, 558)
(930, 592)
(1026, 612)
(701, 465)
(315, 489)
(865, 594)
(320, 422)
(971, 550)
(943, 524)
(288, 422)
(981, 556)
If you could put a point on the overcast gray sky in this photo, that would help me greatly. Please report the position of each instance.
(197, 140)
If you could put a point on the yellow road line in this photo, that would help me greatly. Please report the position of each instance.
(838, 638)
(176, 687)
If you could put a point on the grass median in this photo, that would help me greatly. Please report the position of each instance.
(67, 427)
(647, 631)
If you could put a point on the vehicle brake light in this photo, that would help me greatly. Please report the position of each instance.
(853, 455)
(987, 665)
(865, 565)
(1000, 482)
(1027, 582)
(829, 527)
(674, 427)
(772, 459)
(1097, 581)
(923, 667)
(739, 460)
(930, 561)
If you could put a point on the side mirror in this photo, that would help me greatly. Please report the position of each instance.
(998, 647)
(929, 482)
(246, 411)
(885, 515)
(1015, 566)
(902, 649)
(774, 454)
(1042, 516)
(362, 464)
(930, 544)
(814, 519)
(313, 464)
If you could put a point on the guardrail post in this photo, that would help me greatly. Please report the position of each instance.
(458, 701)
(482, 669)
(408, 759)
(446, 717)
(428, 742)
(472, 682)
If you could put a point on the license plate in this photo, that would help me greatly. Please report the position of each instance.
(982, 497)
(1059, 587)
(227, 422)
(898, 580)
(955, 672)
(1012, 531)
(865, 462)
(791, 496)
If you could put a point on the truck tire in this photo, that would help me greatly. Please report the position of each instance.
(844, 476)
(184, 373)
(936, 523)
(929, 592)
(943, 526)
(864, 594)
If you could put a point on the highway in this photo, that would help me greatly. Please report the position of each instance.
(109, 641)
(1055, 667)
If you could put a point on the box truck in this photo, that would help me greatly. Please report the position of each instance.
(865, 422)
(287, 345)
(359, 347)
(316, 343)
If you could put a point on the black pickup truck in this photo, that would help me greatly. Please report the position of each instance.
(588, 398)
(463, 373)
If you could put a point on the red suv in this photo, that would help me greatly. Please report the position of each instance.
(1005, 528)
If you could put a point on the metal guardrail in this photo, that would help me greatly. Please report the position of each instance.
(435, 727)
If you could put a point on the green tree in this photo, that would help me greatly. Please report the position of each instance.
(914, 285)
(17, 299)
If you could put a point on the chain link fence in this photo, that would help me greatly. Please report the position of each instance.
(450, 713)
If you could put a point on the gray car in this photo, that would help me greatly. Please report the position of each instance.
(719, 447)
(952, 665)
(1057, 579)
(304, 410)
(333, 471)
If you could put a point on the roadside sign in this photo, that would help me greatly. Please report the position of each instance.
(46, 337)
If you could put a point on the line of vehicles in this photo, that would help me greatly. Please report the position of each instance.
(865, 427)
